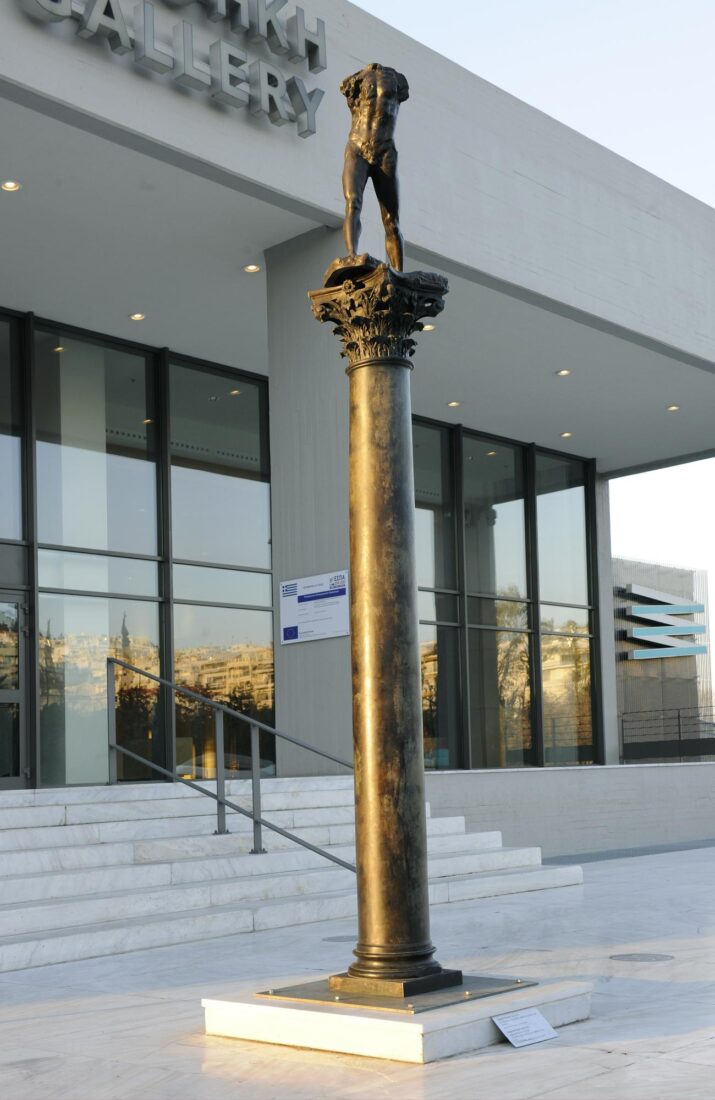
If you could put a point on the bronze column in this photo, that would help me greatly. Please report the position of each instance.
(376, 310)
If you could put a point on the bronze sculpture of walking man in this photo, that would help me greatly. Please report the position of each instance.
(374, 96)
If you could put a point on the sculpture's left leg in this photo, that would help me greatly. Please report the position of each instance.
(384, 178)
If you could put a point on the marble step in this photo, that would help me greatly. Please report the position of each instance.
(339, 838)
(172, 800)
(106, 832)
(331, 806)
(65, 858)
(95, 882)
(139, 792)
(34, 874)
(120, 904)
(47, 913)
(514, 881)
(119, 936)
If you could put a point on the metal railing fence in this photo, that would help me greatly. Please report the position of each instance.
(674, 733)
(222, 803)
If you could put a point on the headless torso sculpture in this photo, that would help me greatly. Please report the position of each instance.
(374, 96)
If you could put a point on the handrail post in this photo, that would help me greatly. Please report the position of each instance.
(220, 774)
(257, 848)
(112, 722)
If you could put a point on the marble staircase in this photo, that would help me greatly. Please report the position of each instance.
(91, 871)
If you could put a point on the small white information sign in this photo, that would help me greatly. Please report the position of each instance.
(315, 607)
(525, 1027)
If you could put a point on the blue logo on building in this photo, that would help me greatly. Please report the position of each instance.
(667, 635)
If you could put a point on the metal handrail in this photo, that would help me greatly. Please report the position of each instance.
(229, 710)
(222, 802)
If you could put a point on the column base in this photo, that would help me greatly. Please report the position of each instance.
(414, 1032)
(394, 987)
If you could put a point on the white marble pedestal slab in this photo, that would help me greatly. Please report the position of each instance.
(423, 1037)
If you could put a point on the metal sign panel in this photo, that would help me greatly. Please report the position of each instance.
(315, 607)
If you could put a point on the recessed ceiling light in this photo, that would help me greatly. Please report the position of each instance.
(428, 328)
(58, 348)
(673, 408)
(235, 393)
(566, 435)
(251, 268)
(453, 404)
(137, 316)
(149, 421)
(11, 185)
(563, 373)
(491, 454)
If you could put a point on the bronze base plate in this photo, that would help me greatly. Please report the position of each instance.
(394, 987)
(472, 988)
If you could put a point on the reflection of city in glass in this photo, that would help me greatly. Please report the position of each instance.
(220, 516)
(9, 650)
(95, 429)
(76, 636)
(566, 686)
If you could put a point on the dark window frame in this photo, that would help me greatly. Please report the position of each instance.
(532, 601)
(23, 326)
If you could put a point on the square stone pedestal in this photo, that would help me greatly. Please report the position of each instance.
(422, 1036)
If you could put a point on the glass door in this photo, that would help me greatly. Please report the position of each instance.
(12, 741)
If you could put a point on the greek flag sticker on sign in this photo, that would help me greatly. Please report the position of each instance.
(315, 607)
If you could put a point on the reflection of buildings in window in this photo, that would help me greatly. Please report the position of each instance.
(8, 651)
(566, 679)
(241, 674)
(514, 692)
(429, 665)
(73, 668)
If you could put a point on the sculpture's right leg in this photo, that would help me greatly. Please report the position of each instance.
(355, 176)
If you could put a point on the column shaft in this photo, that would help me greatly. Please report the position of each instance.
(393, 904)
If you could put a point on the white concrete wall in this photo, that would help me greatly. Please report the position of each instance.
(309, 493)
(606, 626)
(572, 810)
(489, 182)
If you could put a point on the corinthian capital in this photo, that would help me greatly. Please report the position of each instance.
(375, 309)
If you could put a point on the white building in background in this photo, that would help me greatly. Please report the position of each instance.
(174, 422)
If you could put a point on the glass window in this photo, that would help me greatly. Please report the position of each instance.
(93, 573)
(9, 741)
(13, 566)
(434, 501)
(495, 545)
(566, 687)
(9, 647)
(77, 634)
(509, 614)
(435, 607)
(441, 718)
(225, 654)
(10, 443)
(96, 476)
(193, 582)
(561, 529)
(564, 620)
(500, 699)
(220, 495)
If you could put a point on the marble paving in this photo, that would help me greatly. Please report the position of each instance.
(131, 1027)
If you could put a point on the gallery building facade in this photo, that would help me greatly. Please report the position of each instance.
(173, 423)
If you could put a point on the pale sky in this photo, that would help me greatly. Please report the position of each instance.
(635, 75)
(638, 77)
(667, 516)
